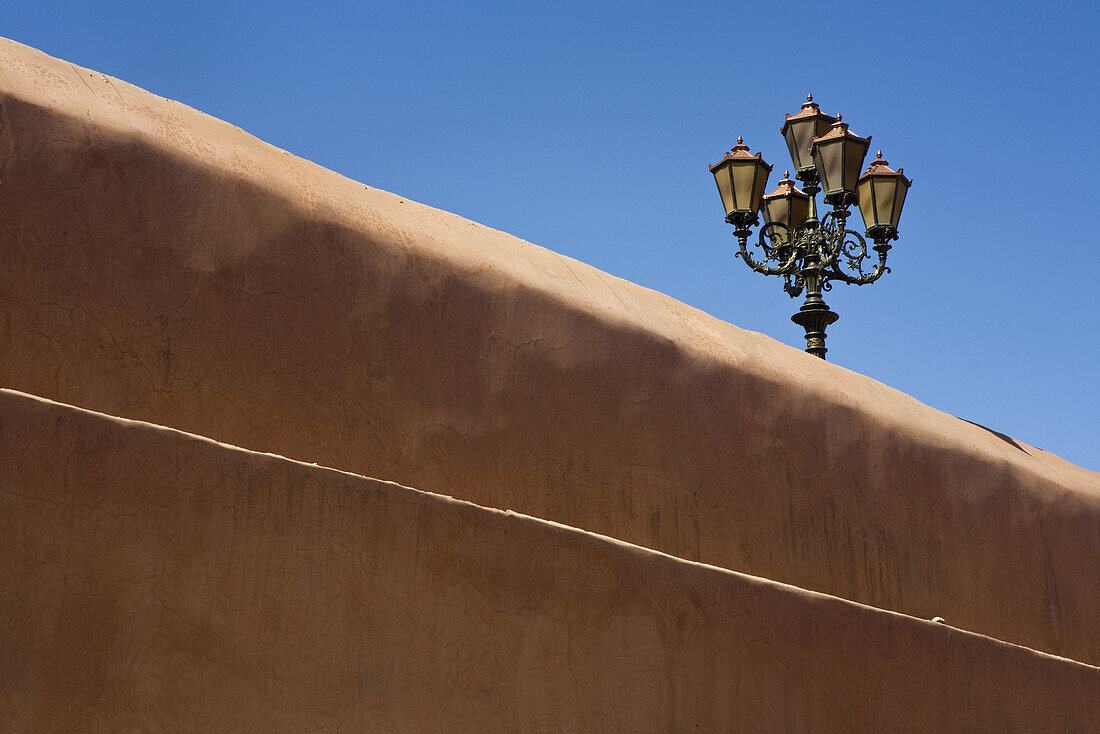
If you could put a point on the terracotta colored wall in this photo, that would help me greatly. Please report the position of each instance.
(162, 580)
(159, 264)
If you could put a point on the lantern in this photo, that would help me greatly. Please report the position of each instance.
(838, 156)
(882, 193)
(741, 178)
(799, 131)
(787, 205)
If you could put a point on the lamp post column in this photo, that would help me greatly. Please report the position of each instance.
(815, 315)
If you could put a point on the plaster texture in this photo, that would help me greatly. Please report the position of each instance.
(159, 264)
(158, 580)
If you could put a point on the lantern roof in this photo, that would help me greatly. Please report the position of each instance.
(809, 110)
(786, 187)
(740, 152)
(840, 130)
(879, 167)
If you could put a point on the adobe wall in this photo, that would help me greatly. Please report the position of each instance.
(162, 580)
(159, 264)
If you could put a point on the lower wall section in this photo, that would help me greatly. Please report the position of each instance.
(157, 580)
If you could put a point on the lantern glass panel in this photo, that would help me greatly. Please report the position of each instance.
(856, 151)
(792, 146)
(760, 183)
(867, 202)
(743, 174)
(725, 186)
(800, 136)
(800, 209)
(902, 190)
(830, 165)
(776, 209)
(884, 189)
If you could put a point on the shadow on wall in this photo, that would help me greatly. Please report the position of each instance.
(1003, 437)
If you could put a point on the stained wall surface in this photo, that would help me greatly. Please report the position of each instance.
(164, 580)
(159, 264)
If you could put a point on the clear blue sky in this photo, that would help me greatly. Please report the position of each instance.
(586, 127)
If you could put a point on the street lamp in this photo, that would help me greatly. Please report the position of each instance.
(807, 252)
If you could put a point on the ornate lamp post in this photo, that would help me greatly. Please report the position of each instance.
(807, 252)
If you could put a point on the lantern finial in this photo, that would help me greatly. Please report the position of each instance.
(740, 141)
(878, 164)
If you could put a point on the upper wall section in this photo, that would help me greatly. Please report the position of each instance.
(165, 582)
(160, 264)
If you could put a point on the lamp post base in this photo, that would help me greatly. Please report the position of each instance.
(814, 318)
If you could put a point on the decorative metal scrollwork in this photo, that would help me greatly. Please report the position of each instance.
(840, 253)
